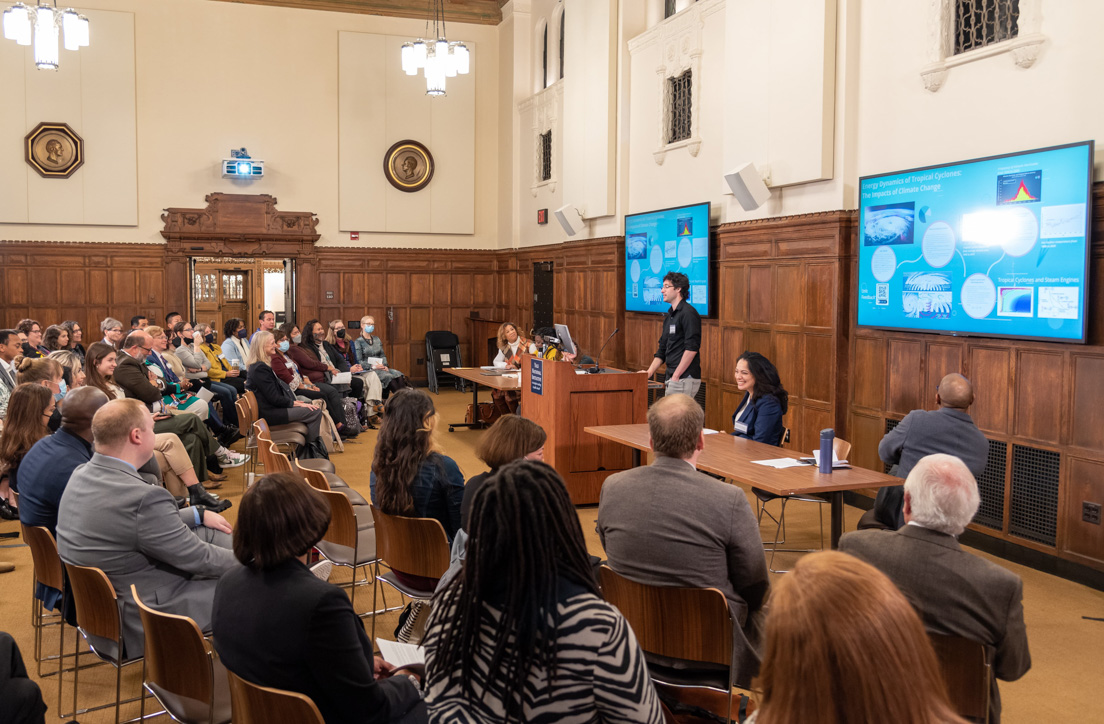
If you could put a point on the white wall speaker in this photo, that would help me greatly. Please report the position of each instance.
(570, 219)
(748, 187)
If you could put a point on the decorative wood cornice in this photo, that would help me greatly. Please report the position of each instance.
(480, 12)
(239, 225)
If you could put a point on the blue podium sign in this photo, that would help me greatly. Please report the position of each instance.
(536, 376)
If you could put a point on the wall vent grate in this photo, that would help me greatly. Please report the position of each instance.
(1034, 514)
(991, 487)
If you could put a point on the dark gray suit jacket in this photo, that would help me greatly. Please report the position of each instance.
(927, 432)
(955, 592)
(669, 525)
(112, 518)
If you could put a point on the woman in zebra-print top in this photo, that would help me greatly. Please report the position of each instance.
(522, 635)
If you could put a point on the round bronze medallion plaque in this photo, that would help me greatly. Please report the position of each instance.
(408, 165)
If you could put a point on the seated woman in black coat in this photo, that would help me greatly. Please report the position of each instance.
(276, 402)
(765, 400)
(308, 638)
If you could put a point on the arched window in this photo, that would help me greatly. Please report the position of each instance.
(670, 7)
(562, 13)
(544, 57)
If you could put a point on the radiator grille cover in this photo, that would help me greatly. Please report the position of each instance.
(991, 486)
(1035, 474)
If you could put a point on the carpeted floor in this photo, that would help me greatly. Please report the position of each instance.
(1065, 647)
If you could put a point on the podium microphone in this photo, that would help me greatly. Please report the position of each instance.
(598, 360)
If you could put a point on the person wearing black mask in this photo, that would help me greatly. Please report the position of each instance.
(235, 345)
(324, 354)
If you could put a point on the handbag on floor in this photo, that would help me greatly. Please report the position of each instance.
(352, 420)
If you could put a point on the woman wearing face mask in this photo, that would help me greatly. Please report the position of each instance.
(235, 345)
(321, 361)
(72, 368)
(29, 411)
(368, 352)
(221, 372)
(198, 368)
(338, 337)
(288, 370)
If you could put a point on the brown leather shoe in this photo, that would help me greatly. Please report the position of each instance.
(6, 567)
(215, 480)
(212, 485)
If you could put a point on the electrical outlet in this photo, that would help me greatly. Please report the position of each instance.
(1090, 512)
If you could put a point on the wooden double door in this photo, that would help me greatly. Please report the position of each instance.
(222, 291)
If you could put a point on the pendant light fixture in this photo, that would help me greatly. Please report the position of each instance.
(42, 24)
(436, 56)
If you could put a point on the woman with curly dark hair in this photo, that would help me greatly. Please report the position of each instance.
(29, 411)
(765, 401)
(55, 338)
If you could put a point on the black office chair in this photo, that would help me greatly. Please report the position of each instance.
(442, 352)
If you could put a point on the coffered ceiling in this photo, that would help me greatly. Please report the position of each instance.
(484, 12)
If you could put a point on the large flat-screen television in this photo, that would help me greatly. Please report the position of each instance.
(663, 241)
(993, 247)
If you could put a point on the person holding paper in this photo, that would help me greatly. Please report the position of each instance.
(765, 400)
(309, 639)
(315, 355)
(368, 351)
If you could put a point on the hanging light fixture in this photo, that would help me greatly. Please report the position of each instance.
(42, 24)
(436, 57)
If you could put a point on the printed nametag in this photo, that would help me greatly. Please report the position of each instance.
(740, 427)
(672, 329)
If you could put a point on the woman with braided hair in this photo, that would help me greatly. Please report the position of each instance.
(522, 634)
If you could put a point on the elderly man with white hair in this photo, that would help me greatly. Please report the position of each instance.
(955, 592)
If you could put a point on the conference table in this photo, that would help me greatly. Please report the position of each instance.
(733, 458)
(481, 377)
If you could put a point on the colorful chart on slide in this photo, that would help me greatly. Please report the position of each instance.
(664, 241)
(991, 247)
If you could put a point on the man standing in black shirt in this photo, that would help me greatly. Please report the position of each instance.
(681, 338)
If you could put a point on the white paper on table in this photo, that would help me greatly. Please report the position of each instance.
(488, 368)
(779, 463)
(836, 462)
(204, 394)
(398, 654)
(342, 378)
(707, 431)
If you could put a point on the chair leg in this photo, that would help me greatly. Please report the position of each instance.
(375, 588)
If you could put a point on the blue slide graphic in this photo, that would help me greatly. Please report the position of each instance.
(658, 242)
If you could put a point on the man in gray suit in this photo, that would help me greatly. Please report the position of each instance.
(955, 593)
(948, 429)
(669, 525)
(114, 519)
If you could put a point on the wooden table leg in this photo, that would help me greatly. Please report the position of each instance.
(635, 458)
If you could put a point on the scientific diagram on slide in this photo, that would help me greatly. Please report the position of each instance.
(659, 242)
(996, 246)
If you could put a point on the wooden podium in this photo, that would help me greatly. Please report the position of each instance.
(563, 402)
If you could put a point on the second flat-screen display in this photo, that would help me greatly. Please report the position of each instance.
(993, 247)
(663, 241)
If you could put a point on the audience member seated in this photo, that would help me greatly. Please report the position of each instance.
(522, 634)
(10, 348)
(172, 319)
(55, 338)
(197, 366)
(368, 353)
(843, 646)
(76, 336)
(947, 429)
(28, 412)
(20, 696)
(765, 400)
(137, 322)
(266, 322)
(510, 438)
(112, 518)
(285, 368)
(32, 346)
(47, 373)
(112, 330)
(309, 639)
(72, 367)
(337, 337)
(174, 387)
(221, 373)
(955, 592)
(235, 345)
(511, 346)
(709, 538)
(322, 361)
(276, 402)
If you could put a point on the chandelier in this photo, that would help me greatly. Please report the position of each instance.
(46, 21)
(438, 58)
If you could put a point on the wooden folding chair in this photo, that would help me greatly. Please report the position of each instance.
(253, 704)
(415, 546)
(967, 673)
(351, 544)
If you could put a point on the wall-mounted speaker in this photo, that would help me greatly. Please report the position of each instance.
(747, 186)
(570, 219)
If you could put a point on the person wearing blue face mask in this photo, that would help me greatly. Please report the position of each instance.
(235, 343)
(369, 354)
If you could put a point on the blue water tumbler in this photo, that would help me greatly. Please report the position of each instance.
(827, 440)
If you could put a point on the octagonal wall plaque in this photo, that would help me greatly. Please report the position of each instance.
(54, 150)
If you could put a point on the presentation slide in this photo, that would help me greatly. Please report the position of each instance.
(664, 241)
(992, 247)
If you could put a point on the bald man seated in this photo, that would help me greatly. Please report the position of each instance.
(174, 557)
(955, 592)
(947, 429)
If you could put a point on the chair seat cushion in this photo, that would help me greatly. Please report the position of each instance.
(343, 555)
(358, 501)
(317, 464)
(298, 427)
(390, 579)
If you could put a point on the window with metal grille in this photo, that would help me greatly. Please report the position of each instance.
(679, 106)
(546, 156)
(978, 23)
(562, 44)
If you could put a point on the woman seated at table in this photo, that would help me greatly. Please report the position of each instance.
(286, 369)
(765, 401)
(844, 646)
(511, 346)
(522, 633)
(275, 400)
(275, 624)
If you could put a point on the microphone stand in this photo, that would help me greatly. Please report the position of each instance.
(598, 360)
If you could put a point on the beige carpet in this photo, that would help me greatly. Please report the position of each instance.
(1061, 687)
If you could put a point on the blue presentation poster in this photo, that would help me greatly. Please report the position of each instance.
(991, 247)
(658, 242)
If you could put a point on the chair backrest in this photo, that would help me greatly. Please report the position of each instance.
(262, 430)
(251, 400)
(245, 418)
(416, 546)
(841, 448)
(252, 704)
(441, 339)
(785, 437)
(44, 554)
(343, 522)
(315, 478)
(273, 460)
(681, 623)
(177, 660)
(94, 596)
(967, 673)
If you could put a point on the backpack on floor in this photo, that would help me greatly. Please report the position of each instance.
(352, 421)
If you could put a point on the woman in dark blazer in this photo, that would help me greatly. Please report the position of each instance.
(276, 402)
(765, 400)
(309, 639)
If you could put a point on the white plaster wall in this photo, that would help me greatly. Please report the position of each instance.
(211, 76)
(534, 195)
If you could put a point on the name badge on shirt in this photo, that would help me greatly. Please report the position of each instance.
(740, 427)
(672, 330)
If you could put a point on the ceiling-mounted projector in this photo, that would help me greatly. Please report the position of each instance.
(241, 166)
